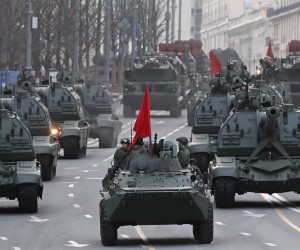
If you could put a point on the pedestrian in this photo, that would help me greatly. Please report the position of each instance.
(121, 155)
(184, 152)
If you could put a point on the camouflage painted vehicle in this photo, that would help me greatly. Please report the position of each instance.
(154, 187)
(66, 111)
(35, 116)
(166, 91)
(257, 151)
(20, 176)
(100, 112)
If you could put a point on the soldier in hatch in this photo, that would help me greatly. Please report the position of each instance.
(184, 152)
(121, 155)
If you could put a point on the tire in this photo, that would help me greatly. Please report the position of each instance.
(110, 140)
(71, 148)
(27, 197)
(203, 231)
(47, 168)
(108, 230)
(128, 111)
(202, 161)
(224, 193)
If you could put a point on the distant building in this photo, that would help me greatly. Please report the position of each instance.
(284, 19)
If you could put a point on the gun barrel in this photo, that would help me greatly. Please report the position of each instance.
(271, 122)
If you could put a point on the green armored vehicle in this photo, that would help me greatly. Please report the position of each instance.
(166, 91)
(155, 191)
(66, 110)
(20, 176)
(257, 151)
(24, 100)
(100, 112)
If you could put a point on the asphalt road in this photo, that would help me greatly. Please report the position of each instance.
(68, 215)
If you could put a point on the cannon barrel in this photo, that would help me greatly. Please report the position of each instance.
(271, 121)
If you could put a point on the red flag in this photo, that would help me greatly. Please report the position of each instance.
(142, 126)
(270, 51)
(215, 65)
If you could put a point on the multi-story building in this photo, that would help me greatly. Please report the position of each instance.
(284, 19)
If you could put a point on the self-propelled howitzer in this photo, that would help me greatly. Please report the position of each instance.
(267, 159)
(100, 112)
(24, 100)
(66, 109)
(20, 176)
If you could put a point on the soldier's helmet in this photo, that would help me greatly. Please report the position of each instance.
(183, 140)
(125, 140)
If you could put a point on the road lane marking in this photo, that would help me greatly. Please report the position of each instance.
(76, 205)
(108, 158)
(249, 213)
(3, 238)
(272, 200)
(244, 233)
(143, 237)
(88, 216)
(174, 131)
(94, 178)
(291, 205)
(71, 195)
(75, 244)
(77, 177)
(71, 185)
(124, 236)
(271, 244)
(220, 223)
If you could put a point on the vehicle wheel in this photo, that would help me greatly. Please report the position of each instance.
(204, 230)
(190, 115)
(108, 140)
(27, 197)
(224, 193)
(175, 111)
(46, 167)
(202, 161)
(128, 111)
(108, 230)
(71, 148)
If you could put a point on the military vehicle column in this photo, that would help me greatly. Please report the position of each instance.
(24, 100)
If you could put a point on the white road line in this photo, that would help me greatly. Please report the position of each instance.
(271, 244)
(126, 130)
(92, 141)
(70, 168)
(76, 205)
(16, 248)
(77, 177)
(71, 195)
(86, 171)
(95, 165)
(124, 236)
(88, 216)
(94, 178)
(3, 238)
(244, 233)
(108, 158)
(291, 205)
(71, 185)
(220, 223)
(174, 131)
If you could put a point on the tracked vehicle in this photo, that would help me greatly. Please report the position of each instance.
(257, 151)
(155, 191)
(66, 110)
(35, 116)
(20, 176)
(100, 112)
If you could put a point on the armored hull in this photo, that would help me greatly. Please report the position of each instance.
(155, 191)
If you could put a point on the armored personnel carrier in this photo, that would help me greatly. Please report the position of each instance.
(100, 112)
(66, 110)
(257, 151)
(20, 176)
(165, 87)
(148, 190)
(35, 116)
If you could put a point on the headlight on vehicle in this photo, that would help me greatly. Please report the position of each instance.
(200, 186)
(55, 132)
(113, 187)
